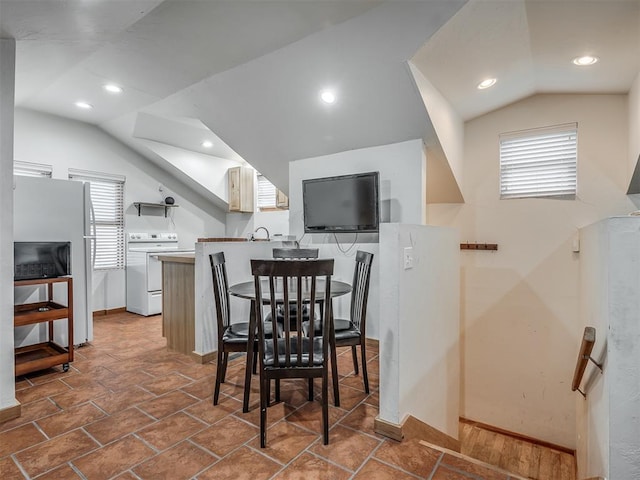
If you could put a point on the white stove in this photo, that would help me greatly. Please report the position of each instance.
(144, 270)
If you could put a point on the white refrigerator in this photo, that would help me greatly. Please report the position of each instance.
(51, 210)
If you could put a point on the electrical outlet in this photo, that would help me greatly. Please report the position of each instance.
(408, 258)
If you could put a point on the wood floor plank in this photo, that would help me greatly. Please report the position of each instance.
(496, 453)
(524, 460)
(534, 462)
(567, 467)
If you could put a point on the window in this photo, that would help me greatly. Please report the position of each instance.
(28, 169)
(266, 194)
(539, 163)
(107, 196)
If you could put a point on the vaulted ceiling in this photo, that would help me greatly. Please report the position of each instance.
(247, 74)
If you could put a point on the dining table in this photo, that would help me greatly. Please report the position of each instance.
(246, 290)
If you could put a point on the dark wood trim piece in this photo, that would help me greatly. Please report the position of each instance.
(102, 313)
(10, 413)
(518, 436)
(387, 429)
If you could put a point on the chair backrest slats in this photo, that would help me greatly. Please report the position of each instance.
(360, 289)
(295, 253)
(292, 282)
(220, 290)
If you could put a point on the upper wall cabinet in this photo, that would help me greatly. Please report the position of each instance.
(241, 186)
(282, 201)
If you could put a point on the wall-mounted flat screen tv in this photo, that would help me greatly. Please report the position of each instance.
(33, 260)
(348, 203)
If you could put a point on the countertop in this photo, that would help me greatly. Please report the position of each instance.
(183, 257)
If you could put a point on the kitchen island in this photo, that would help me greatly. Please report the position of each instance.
(178, 301)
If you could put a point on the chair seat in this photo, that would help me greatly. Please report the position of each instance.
(339, 324)
(269, 355)
(239, 332)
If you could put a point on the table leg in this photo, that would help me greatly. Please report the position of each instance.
(249, 362)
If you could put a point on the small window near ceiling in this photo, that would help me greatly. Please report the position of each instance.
(107, 197)
(28, 169)
(267, 194)
(539, 163)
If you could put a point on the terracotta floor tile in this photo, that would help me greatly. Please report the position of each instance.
(471, 467)
(65, 472)
(444, 473)
(349, 397)
(373, 399)
(361, 418)
(375, 470)
(346, 447)
(199, 371)
(120, 382)
(285, 441)
(310, 467)
(160, 369)
(201, 389)
(117, 401)
(242, 464)
(113, 459)
(182, 461)
(118, 425)
(409, 455)
(30, 412)
(168, 404)
(22, 383)
(70, 419)
(78, 396)
(170, 430)
(126, 476)
(309, 416)
(275, 413)
(44, 376)
(9, 470)
(55, 452)
(207, 412)
(20, 438)
(167, 383)
(83, 379)
(225, 436)
(38, 392)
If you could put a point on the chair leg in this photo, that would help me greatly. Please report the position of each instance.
(277, 390)
(255, 362)
(325, 408)
(311, 389)
(354, 354)
(219, 375)
(225, 362)
(264, 402)
(365, 377)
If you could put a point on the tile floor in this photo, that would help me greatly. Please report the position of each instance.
(130, 409)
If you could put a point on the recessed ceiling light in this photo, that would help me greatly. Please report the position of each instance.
(85, 105)
(585, 61)
(207, 144)
(489, 82)
(112, 88)
(328, 96)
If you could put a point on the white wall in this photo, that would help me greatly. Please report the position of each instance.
(634, 125)
(520, 305)
(65, 144)
(7, 75)
(402, 200)
(420, 326)
(608, 424)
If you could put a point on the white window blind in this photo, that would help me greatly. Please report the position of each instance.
(107, 196)
(539, 163)
(29, 169)
(266, 193)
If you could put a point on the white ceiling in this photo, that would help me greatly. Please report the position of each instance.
(248, 73)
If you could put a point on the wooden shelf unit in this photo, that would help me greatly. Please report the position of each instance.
(46, 354)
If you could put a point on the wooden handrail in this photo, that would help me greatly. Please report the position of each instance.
(584, 355)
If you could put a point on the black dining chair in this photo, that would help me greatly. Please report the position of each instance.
(292, 354)
(293, 254)
(232, 337)
(352, 332)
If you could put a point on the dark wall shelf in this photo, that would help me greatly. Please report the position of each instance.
(141, 205)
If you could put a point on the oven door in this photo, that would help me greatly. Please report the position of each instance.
(154, 272)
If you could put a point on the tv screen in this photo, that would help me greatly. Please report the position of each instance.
(41, 260)
(348, 203)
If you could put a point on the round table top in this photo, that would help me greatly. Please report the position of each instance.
(247, 290)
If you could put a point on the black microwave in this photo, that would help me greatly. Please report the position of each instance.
(33, 260)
